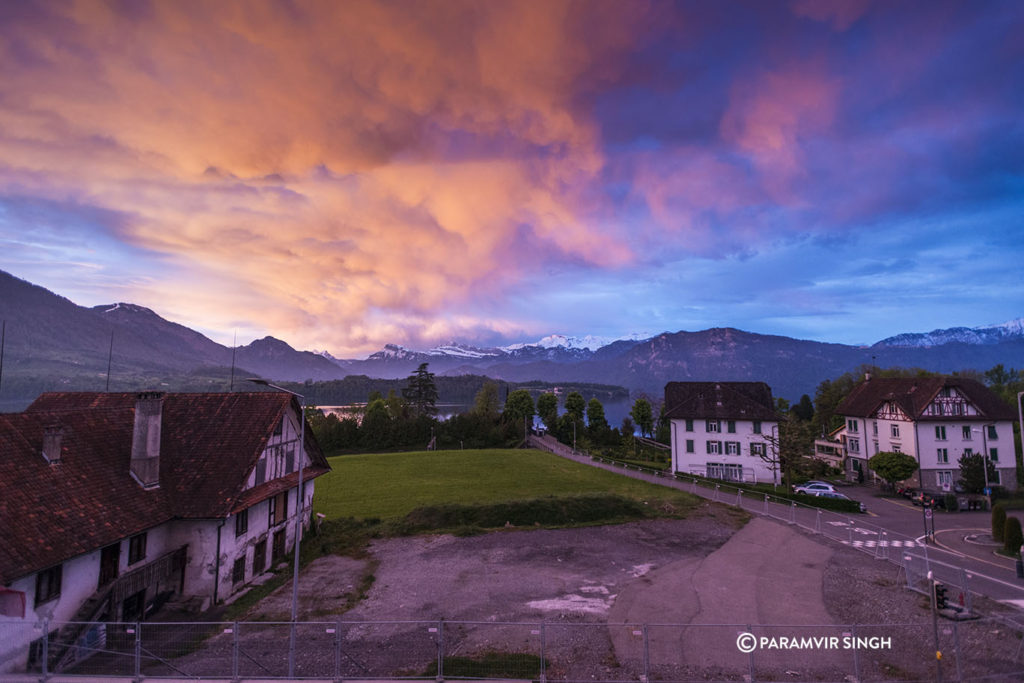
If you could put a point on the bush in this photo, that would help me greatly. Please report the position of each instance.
(1014, 536)
(998, 522)
(550, 511)
(951, 502)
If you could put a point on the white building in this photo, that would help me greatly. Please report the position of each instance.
(934, 419)
(723, 430)
(113, 503)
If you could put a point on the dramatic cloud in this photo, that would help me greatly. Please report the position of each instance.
(348, 174)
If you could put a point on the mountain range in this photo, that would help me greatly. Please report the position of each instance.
(50, 342)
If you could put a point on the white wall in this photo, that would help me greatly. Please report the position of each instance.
(754, 467)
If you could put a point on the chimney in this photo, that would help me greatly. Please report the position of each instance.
(52, 437)
(145, 465)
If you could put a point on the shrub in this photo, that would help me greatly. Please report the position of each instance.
(951, 502)
(1014, 536)
(998, 522)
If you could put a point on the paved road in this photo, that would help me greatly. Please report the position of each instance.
(893, 529)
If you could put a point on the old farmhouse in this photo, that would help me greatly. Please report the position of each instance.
(112, 503)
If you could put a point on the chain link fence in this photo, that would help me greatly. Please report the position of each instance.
(564, 651)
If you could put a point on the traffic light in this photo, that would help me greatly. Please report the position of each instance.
(941, 599)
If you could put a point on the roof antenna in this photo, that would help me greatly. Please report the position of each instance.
(234, 345)
(110, 356)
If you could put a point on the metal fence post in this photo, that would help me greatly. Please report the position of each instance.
(750, 657)
(337, 650)
(965, 586)
(856, 657)
(956, 646)
(765, 504)
(694, 485)
(138, 651)
(234, 654)
(543, 664)
(440, 650)
(739, 498)
(792, 513)
(647, 657)
(817, 522)
(717, 486)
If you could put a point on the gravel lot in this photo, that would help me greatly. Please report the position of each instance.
(584, 583)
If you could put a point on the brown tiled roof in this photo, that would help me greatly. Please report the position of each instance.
(51, 512)
(914, 394)
(720, 401)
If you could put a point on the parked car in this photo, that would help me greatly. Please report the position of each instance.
(906, 491)
(929, 499)
(815, 487)
(840, 496)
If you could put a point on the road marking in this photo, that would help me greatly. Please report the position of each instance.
(883, 544)
(972, 557)
(1019, 604)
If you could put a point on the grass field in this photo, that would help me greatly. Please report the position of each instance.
(389, 486)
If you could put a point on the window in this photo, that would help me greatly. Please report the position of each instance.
(993, 454)
(965, 431)
(853, 445)
(279, 428)
(874, 428)
(894, 431)
(731, 426)
(689, 425)
(757, 449)
(137, 548)
(277, 551)
(689, 445)
(732, 447)
(943, 455)
(289, 461)
(241, 522)
(757, 426)
(238, 570)
(992, 432)
(940, 433)
(48, 584)
(714, 426)
(851, 426)
(714, 447)
(968, 451)
(896, 448)
(261, 470)
(278, 506)
(259, 557)
(944, 479)
(997, 480)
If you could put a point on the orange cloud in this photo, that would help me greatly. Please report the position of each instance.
(314, 166)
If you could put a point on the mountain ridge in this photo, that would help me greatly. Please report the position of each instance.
(50, 337)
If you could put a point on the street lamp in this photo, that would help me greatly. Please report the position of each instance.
(984, 465)
(298, 515)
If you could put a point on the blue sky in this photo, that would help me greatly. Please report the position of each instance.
(345, 175)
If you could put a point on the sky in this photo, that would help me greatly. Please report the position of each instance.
(343, 175)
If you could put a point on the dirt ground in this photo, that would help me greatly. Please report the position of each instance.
(690, 580)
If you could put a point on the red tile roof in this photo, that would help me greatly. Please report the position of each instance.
(209, 443)
(914, 394)
(719, 401)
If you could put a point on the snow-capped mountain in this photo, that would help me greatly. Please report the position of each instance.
(986, 335)
(589, 342)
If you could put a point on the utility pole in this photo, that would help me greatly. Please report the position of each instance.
(935, 628)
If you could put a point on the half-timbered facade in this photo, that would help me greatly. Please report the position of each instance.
(112, 503)
(723, 430)
(934, 419)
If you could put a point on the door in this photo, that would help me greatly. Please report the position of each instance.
(110, 558)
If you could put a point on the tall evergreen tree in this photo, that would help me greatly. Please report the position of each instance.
(421, 391)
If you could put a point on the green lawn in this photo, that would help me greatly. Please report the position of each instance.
(390, 485)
